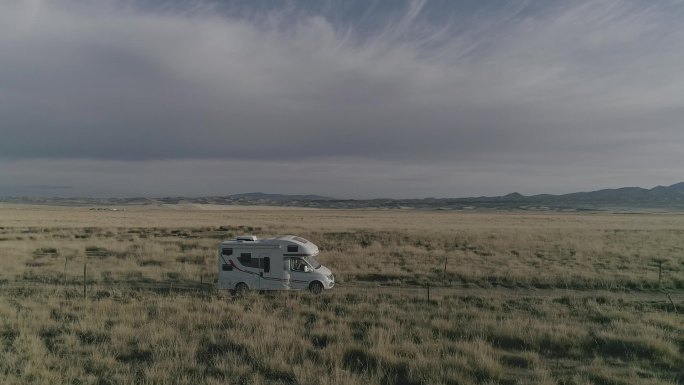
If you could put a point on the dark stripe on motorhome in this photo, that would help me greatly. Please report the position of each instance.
(224, 260)
(244, 271)
(268, 278)
(280, 279)
(295, 255)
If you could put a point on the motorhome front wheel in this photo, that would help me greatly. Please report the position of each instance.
(316, 287)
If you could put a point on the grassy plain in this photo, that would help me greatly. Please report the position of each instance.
(557, 298)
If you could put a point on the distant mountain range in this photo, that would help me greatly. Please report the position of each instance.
(661, 198)
(625, 198)
(256, 196)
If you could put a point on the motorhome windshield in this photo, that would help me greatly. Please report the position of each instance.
(312, 261)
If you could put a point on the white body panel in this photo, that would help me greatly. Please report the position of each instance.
(284, 263)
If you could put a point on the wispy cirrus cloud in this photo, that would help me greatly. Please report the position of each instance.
(423, 84)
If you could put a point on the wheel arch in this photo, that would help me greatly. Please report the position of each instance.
(314, 283)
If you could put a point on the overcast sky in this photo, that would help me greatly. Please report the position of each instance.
(351, 99)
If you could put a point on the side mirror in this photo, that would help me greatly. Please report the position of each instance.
(307, 269)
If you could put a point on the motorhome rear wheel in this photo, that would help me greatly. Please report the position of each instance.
(241, 289)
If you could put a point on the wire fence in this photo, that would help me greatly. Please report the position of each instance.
(205, 287)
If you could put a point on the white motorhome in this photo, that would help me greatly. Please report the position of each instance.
(283, 263)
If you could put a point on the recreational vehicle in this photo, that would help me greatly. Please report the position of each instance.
(284, 263)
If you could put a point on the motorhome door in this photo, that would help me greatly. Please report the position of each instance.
(299, 277)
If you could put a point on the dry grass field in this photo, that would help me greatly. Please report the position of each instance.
(554, 298)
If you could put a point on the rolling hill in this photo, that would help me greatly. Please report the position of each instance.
(660, 198)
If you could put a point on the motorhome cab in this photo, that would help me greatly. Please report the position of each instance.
(284, 263)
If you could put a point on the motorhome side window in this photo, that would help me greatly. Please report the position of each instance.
(247, 260)
(292, 248)
(297, 264)
(226, 252)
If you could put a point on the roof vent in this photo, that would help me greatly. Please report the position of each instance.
(248, 238)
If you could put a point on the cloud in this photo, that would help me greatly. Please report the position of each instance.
(467, 84)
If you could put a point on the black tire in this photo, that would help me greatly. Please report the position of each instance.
(241, 289)
(316, 287)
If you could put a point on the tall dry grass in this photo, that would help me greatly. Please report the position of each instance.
(59, 338)
(606, 251)
(122, 334)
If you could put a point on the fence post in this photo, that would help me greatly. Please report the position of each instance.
(660, 272)
(85, 277)
(660, 261)
(674, 307)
